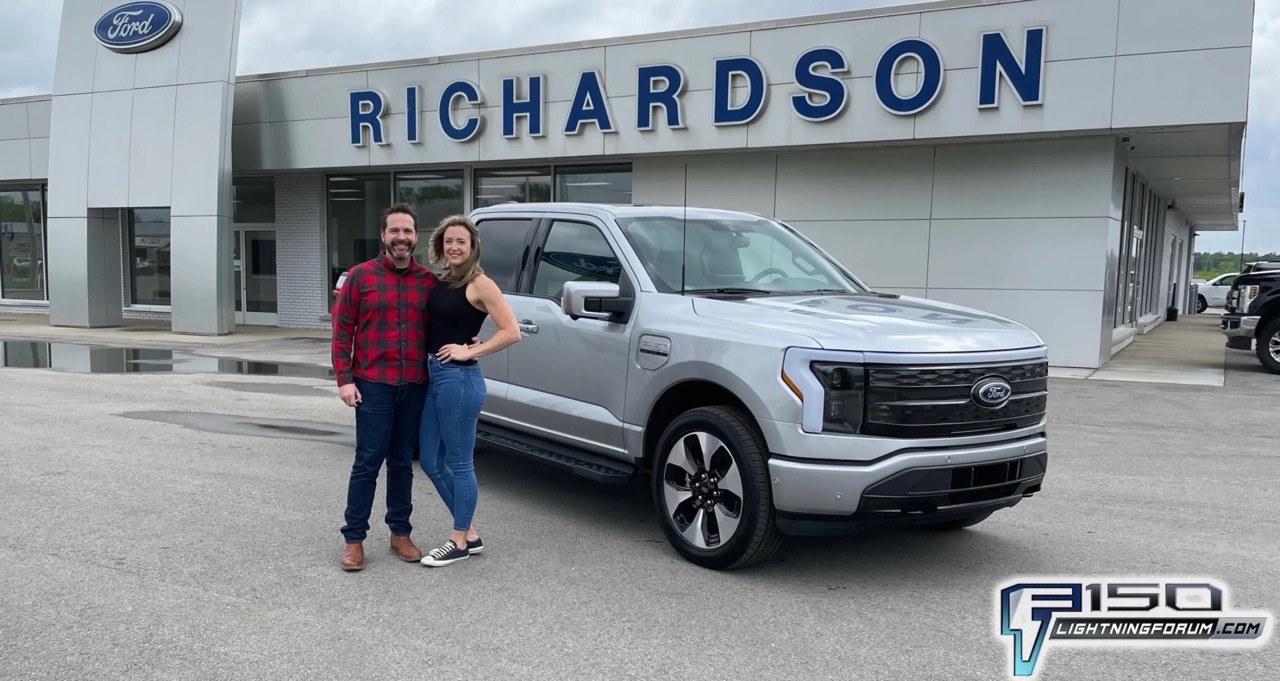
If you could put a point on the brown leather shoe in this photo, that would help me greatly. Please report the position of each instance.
(353, 557)
(404, 547)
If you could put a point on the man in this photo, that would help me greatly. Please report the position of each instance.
(379, 357)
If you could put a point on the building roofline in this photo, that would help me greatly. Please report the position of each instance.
(789, 22)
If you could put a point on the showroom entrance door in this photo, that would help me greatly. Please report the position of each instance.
(255, 276)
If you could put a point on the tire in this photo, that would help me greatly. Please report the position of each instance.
(738, 450)
(1268, 348)
(960, 523)
(1201, 304)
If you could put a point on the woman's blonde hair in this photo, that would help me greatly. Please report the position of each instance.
(470, 268)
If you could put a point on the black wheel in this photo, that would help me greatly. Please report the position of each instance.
(961, 523)
(711, 489)
(1269, 345)
(1201, 304)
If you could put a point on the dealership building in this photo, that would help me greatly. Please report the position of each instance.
(1050, 161)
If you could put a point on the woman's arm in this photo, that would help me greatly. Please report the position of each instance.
(491, 298)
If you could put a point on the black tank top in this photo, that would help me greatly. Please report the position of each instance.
(452, 318)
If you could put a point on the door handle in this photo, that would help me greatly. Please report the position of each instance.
(527, 326)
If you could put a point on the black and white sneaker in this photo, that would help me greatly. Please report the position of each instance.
(445, 555)
(474, 547)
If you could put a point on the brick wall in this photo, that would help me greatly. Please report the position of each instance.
(301, 264)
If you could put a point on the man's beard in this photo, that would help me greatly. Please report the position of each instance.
(393, 249)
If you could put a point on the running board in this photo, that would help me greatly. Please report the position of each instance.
(568, 459)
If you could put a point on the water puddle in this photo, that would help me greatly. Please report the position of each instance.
(241, 425)
(92, 359)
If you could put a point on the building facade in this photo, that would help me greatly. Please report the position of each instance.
(1047, 160)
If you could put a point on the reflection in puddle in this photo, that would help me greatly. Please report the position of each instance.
(89, 359)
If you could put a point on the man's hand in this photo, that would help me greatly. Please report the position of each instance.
(350, 394)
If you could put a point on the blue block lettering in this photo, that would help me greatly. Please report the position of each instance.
(366, 112)
(667, 98)
(726, 69)
(411, 113)
(949, 319)
(532, 107)
(1025, 77)
(834, 90)
(469, 92)
(931, 86)
(589, 105)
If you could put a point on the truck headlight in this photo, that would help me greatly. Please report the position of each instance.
(832, 392)
(844, 389)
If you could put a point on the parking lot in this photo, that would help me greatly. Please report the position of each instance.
(164, 524)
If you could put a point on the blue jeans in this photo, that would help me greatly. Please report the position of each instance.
(387, 420)
(447, 435)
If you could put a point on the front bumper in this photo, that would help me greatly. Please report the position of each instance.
(1239, 325)
(914, 486)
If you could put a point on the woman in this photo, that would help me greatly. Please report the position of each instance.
(456, 308)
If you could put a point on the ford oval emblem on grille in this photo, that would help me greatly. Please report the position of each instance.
(992, 392)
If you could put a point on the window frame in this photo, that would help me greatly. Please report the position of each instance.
(543, 233)
(531, 236)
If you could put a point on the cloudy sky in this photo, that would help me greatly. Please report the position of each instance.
(280, 35)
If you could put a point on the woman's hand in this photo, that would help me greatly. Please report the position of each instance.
(452, 351)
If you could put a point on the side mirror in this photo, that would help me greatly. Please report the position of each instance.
(593, 300)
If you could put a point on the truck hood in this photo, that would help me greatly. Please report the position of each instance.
(874, 322)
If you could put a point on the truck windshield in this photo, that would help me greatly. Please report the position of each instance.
(749, 255)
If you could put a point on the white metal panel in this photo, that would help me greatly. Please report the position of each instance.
(561, 70)
(68, 155)
(307, 144)
(863, 119)
(886, 254)
(15, 159)
(855, 184)
(698, 134)
(151, 157)
(1078, 29)
(1067, 321)
(251, 103)
(113, 71)
(434, 147)
(861, 40)
(73, 67)
(431, 80)
(1148, 26)
(1018, 180)
(744, 182)
(1182, 88)
(108, 160)
(1077, 96)
(553, 143)
(193, 48)
(39, 157)
(1014, 254)
(13, 121)
(199, 112)
(305, 98)
(696, 56)
(38, 115)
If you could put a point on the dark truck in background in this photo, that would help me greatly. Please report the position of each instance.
(1253, 313)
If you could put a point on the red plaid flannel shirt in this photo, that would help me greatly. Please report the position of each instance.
(380, 323)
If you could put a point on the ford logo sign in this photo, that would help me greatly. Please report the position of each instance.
(992, 392)
(138, 26)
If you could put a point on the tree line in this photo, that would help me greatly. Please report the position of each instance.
(1209, 265)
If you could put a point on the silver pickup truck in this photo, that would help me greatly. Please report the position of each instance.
(760, 387)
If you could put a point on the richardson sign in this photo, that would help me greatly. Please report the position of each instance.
(138, 26)
(820, 93)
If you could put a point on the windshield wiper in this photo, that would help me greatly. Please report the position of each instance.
(734, 290)
(815, 291)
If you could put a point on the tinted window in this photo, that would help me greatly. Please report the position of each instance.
(502, 247)
(574, 252)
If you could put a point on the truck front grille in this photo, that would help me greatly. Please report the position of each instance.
(937, 401)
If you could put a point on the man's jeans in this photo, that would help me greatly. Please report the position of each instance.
(387, 421)
(448, 435)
